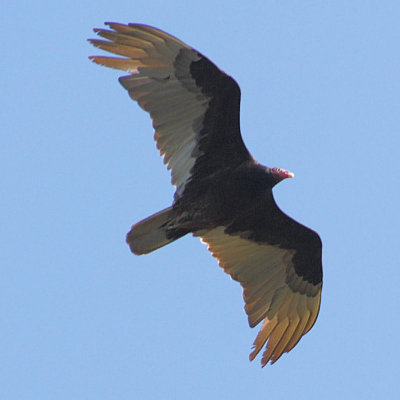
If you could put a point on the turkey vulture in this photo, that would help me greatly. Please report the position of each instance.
(223, 195)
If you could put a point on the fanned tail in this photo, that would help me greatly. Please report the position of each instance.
(153, 232)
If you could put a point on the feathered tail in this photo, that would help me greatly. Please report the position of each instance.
(153, 232)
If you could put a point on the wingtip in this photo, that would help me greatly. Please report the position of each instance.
(254, 354)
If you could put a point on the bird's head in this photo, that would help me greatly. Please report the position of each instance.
(280, 174)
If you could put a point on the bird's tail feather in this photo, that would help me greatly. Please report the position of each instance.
(153, 232)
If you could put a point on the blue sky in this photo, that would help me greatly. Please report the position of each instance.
(81, 317)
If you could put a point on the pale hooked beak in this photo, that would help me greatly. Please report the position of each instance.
(289, 174)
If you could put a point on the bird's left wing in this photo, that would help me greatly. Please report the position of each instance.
(193, 104)
(274, 289)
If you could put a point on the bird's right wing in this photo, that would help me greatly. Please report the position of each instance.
(194, 105)
(273, 291)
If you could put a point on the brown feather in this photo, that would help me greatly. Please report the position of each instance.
(287, 314)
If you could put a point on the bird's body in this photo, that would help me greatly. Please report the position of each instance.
(223, 195)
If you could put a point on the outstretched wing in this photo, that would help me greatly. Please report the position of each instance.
(194, 105)
(278, 263)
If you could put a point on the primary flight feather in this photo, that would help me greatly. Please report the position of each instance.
(223, 195)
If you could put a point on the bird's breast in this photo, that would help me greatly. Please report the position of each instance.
(223, 197)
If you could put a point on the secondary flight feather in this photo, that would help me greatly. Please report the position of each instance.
(223, 195)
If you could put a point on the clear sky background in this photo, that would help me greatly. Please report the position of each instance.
(81, 317)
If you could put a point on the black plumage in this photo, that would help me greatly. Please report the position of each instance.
(223, 195)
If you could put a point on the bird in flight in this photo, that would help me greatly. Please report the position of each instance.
(223, 195)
